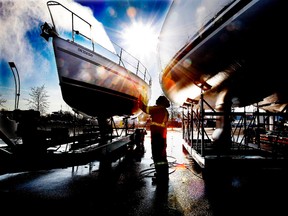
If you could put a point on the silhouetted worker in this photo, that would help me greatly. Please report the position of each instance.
(158, 127)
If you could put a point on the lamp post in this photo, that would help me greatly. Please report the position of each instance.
(17, 83)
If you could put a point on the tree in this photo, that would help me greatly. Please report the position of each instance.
(38, 99)
(174, 112)
(2, 100)
(174, 116)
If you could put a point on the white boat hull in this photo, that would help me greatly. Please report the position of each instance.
(95, 85)
(236, 56)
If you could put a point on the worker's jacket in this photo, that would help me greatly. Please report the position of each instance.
(159, 115)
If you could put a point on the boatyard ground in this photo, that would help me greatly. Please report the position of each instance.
(126, 188)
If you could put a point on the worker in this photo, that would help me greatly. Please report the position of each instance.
(158, 128)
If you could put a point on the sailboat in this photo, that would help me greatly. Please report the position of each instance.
(218, 57)
(228, 51)
(96, 83)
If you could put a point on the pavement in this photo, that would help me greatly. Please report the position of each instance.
(127, 189)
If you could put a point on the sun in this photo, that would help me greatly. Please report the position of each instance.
(140, 39)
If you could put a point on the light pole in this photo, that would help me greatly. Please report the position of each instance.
(17, 83)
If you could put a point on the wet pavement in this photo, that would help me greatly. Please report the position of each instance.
(126, 188)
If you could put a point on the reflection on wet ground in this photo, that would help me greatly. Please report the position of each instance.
(126, 188)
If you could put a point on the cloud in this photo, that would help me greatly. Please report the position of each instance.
(16, 19)
(21, 43)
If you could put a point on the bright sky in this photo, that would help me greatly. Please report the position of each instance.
(134, 25)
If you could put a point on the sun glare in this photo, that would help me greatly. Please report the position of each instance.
(140, 40)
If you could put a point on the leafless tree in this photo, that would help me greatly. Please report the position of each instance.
(174, 112)
(38, 99)
(2, 100)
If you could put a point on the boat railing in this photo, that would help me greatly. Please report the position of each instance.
(131, 63)
(119, 55)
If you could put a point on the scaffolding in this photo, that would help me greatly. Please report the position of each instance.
(252, 138)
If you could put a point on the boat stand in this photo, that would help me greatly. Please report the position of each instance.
(37, 146)
(242, 144)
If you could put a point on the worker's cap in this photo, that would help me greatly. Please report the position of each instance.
(162, 100)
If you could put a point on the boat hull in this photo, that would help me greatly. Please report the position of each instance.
(236, 58)
(94, 85)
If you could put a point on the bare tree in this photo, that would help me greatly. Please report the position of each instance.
(174, 112)
(38, 99)
(2, 100)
